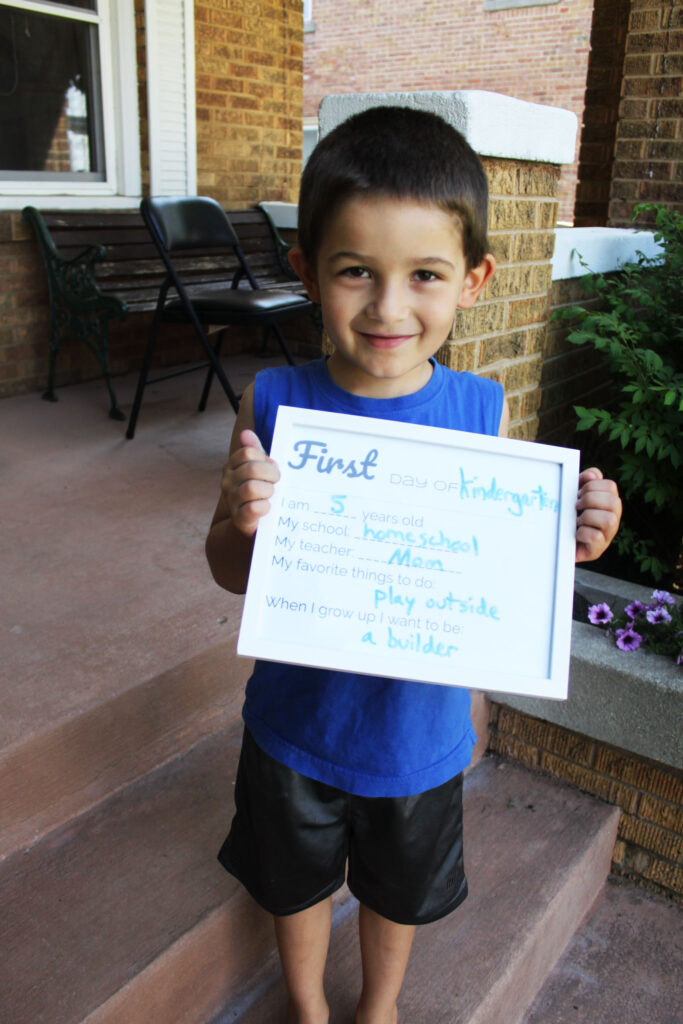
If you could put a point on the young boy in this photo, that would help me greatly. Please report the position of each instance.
(337, 768)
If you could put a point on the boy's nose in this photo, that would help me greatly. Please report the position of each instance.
(388, 303)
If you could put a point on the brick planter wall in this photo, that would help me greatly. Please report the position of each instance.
(650, 840)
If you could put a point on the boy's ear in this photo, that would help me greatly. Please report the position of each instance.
(305, 272)
(476, 280)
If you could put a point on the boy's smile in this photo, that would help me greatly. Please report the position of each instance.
(389, 276)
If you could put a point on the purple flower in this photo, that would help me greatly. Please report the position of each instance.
(679, 659)
(634, 609)
(659, 614)
(662, 597)
(600, 614)
(628, 639)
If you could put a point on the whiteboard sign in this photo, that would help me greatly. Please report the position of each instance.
(416, 553)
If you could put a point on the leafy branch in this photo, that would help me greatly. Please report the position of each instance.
(638, 329)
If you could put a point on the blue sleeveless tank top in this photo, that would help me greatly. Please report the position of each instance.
(366, 735)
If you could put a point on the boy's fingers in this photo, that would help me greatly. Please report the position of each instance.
(252, 489)
(247, 516)
(593, 473)
(590, 544)
(596, 529)
(249, 439)
(597, 492)
(246, 467)
(252, 452)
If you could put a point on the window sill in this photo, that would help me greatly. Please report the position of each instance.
(55, 202)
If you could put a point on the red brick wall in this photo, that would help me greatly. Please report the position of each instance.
(249, 79)
(649, 140)
(539, 54)
(603, 92)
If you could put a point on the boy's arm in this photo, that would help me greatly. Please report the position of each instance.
(247, 484)
(504, 419)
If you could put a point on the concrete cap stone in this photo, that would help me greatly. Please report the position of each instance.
(493, 124)
(599, 250)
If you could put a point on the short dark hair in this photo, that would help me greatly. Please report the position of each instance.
(398, 152)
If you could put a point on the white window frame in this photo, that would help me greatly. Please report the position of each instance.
(120, 122)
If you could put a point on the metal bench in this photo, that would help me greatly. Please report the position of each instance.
(103, 265)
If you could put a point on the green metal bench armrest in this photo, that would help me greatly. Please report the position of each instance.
(72, 281)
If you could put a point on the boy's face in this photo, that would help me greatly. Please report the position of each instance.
(389, 276)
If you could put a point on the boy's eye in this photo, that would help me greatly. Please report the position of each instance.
(426, 275)
(355, 272)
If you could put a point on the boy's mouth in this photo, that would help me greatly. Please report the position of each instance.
(385, 341)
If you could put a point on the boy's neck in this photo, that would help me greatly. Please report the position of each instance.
(349, 378)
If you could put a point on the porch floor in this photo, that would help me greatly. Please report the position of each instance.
(102, 543)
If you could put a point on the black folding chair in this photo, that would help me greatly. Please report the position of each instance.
(194, 225)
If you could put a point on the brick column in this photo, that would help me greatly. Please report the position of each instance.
(522, 146)
(504, 335)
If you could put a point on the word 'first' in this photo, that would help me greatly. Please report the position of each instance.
(316, 452)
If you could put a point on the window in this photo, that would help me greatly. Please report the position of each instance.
(309, 24)
(67, 74)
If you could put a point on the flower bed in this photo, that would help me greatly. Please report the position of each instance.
(656, 626)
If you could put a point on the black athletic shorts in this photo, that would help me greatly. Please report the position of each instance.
(291, 838)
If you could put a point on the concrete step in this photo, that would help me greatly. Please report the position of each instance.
(124, 916)
(537, 854)
(623, 965)
(61, 772)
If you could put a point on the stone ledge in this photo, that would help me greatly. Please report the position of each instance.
(493, 124)
(629, 700)
(601, 249)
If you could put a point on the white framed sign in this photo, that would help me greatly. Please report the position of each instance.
(416, 553)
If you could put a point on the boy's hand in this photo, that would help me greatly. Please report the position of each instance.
(248, 482)
(599, 514)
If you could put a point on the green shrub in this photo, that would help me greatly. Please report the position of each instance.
(638, 329)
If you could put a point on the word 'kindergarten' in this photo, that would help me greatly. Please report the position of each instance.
(466, 489)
